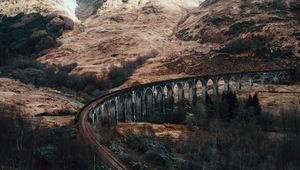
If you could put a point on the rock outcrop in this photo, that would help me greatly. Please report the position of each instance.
(44, 7)
(249, 34)
(30, 34)
(255, 28)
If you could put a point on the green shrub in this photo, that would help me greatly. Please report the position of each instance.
(151, 150)
(22, 147)
(123, 155)
(256, 44)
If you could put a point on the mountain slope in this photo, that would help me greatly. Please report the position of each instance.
(244, 35)
(186, 38)
(121, 31)
(31, 102)
(45, 7)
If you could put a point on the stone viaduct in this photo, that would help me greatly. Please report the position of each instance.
(139, 102)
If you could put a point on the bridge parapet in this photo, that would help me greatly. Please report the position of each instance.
(139, 102)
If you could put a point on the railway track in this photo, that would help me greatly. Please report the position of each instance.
(90, 136)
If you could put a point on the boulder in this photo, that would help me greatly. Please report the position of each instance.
(46, 42)
(56, 26)
(69, 24)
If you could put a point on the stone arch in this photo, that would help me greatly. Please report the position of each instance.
(105, 113)
(233, 83)
(202, 82)
(112, 112)
(257, 78)
(190, 89)
(244, 81)
(92, 117)
(179, 92)
(282, 77)
(121, 108)
(138, 105)
(169, 98)
(159, 98)
(227, 83)
(285, 77)
(210, 87)
(221, 85)
(97, 112)
(249, 79)
(215, 85)
(129, 111)
(175, 93)
(239, 81)
(266, 77)
(148, 101)
(243, 87)
(199, 89)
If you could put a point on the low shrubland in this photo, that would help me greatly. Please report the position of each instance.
(150, 153)
(21, 43)
(30, 71)
(233, 134)
(63, 112)
(26, 147)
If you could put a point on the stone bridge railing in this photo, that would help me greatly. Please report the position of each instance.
(139, 102)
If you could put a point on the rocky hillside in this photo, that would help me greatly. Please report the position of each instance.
(123, 31)
(30, 34)
(242, 35)
(174, 38)
(25, 37)
(44, 7)
(185, 37)
(39, 106)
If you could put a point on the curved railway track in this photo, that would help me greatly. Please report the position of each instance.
(88, 133)
(90, 137)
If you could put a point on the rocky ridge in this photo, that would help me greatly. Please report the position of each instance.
(241, 35)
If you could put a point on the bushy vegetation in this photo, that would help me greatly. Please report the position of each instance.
(29, 34)
(63, 112)
(176, 117)
(150, 153)
(150, 149)
(255, 44)
(21, 42)
(233, 134)
(249, 142)
(121, 152)
(118, 75)
(240, 145)
(26, 147)
(30, 71)
(237, 135)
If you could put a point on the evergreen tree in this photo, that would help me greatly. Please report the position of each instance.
(248, 102)
(256, 105)
(230, 103)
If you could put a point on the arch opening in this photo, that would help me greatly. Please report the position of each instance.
(149, 102)
(169, 98)
(129, 108)
(158, 99)
(138, 106)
